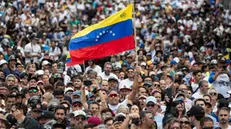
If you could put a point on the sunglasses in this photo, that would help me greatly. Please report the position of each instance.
(77, 105)
(213, 94)
(113, 95)
(33, 90)
(156, 85)
(184, 122)
(150, 105)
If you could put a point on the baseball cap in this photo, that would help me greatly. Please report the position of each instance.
(223, 103)
(79, 113)
(151, 99)
(196, 110)
(76, 101)
(173, 62)
(3, 62)
(45, 62)
(94, 120)
(40, 82)
(123, 86)
(46, 115)
(112, 78)
(77, 93)
(68, 89)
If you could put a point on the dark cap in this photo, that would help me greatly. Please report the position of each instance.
(112, 78)
(76, 101)
(196, 111)
(223, 103)
(167, 118)
(46, 115)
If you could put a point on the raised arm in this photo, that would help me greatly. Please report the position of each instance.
(83, 97)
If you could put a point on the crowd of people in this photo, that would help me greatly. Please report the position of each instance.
(178, 77)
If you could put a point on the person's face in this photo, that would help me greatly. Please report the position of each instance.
(12, 63)
(198, 76)
(201, 103)
(35, 114)
(163, 84)
(205, 87)
(109, 124)
(185, 123)
(180, 107)
(113, 98)
(106, 115)
(223, 116)
(147, 80)
(77, 83)
(152, 107)
(183, 88)
(189, 93)
(10, 81)
(122, 74)
(32, 82)
(60, 115)
(105, 85)
(112, 84)
(80, 121)
(149, 120)
(142, 91)
(207, 99)
(10, 101)
(213, 94)
(20, 68)
(135, 109)
(90, 63)
(130, 73)
(157, 95)
(124, 92)
(47, 72)
(108, 68)
(208, 124)
(77, 106)
(33, 92)
(54, 67)
(175, 125)
(60, 97)
(45, 79)
(94, 108)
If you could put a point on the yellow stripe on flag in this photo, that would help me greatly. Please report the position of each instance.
(120, 16)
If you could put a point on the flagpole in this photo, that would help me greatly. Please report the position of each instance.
(84, 68)
(134, 28)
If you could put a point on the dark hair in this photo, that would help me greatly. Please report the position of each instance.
(87, 126)
(205, 119)
(48, 87)
(200, 99)
(20, 106)
(107, 119)
(196, 72)
(59, 83)
(10, 96)
(62, 107)
(94, 102)
(107, 110)
(58, 92)
(224, 109)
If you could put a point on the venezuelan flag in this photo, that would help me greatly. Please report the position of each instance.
(69, 62)
(108, 37)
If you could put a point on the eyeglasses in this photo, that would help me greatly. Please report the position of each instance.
(33, 90)
(79, 118)
(151, 105)
(213, 93)
(156, 85)
(184, 122)
(113, 95)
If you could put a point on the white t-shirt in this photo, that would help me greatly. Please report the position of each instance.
(32, 49)
(115, 107)
(97, 69)
(54, 51)
(105, 77)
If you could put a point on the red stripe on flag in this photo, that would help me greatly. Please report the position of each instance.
(103, 50)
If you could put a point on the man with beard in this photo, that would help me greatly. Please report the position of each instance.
(78, 119)
(223, 116)
(60, 113)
